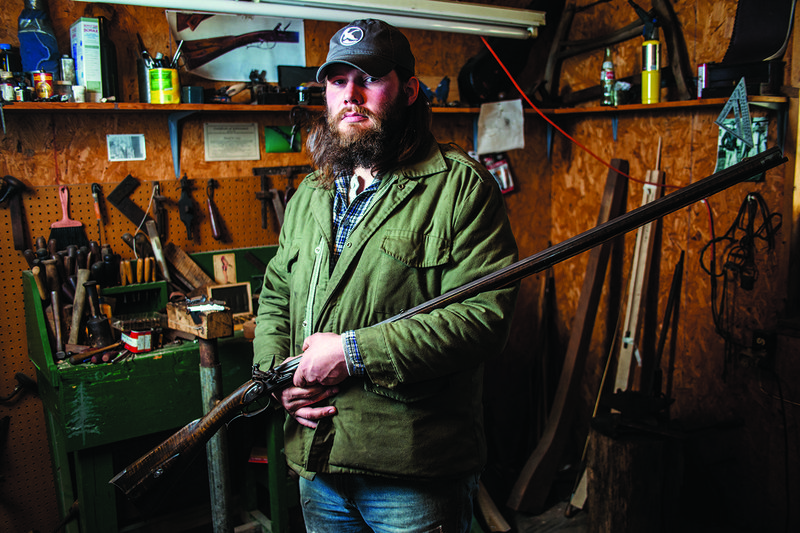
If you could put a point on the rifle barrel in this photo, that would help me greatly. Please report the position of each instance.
(582, 242)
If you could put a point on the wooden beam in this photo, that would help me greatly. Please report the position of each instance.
(530, 492)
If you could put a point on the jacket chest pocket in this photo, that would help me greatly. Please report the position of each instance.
(408, 270)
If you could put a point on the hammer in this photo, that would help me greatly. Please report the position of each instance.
(12, 190)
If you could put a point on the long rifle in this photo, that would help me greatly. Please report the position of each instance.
(175, 453)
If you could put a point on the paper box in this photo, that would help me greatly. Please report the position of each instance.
(84, 37)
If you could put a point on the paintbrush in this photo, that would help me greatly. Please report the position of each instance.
(67, 231)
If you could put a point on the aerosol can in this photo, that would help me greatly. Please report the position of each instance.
(651, 56)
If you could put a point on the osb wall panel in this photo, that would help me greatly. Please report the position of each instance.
(703, 393)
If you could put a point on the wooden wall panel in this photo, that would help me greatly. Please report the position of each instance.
(554, 200)
(46, 149)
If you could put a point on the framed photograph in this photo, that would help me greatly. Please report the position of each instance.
(126, 147)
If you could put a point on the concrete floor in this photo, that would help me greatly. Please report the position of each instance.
(551, 521)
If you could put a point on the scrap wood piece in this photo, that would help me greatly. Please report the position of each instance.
(187, 268)
(495, 521)
(643, 252)
(532, 487)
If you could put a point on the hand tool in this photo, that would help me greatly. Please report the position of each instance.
(71, 260)
(123, 279)
(142, 244)
(55, 308)
(120, 198)
(213, 214)
(86, 355)
(96, 190)
(267, 193)
(30, 257)
(41, 244)
(158, 252)
(148, 270)
(40, 285)
(67, 231)
(186, 205)
(159, 211)
(140, 270)
(23, 383)
(99, 327)
(78, 306)
(12, 192)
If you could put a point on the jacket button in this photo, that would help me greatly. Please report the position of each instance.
(305, 323)
(349, 244)
(401, 186)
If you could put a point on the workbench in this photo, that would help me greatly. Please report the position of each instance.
(95, 413)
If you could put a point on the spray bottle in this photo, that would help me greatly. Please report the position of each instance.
(651, 56)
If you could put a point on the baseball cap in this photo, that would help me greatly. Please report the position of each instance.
(371, 46)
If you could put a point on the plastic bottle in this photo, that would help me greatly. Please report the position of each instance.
(7, 86)
(607, 79)
(37, 40)
(108, 62)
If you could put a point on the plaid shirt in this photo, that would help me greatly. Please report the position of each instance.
(346, 217)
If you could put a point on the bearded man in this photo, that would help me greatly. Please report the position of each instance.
(385, 420)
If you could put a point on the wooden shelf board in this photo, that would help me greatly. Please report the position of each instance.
(62, 107)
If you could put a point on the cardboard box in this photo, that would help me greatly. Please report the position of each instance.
(84, 35)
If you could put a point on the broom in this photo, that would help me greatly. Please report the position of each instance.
(67, 231)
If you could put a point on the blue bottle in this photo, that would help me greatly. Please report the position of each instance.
(37, 40)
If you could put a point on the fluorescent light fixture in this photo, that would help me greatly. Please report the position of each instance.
(436, 15)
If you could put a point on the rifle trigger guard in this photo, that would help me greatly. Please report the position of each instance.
(255, 413)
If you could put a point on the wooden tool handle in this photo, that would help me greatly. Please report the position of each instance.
(78, 306)
(40, 284)
(213, 215)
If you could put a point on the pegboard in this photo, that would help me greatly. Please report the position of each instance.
(235, 199)
(25, 463)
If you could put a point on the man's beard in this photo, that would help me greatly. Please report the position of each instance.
(359, 146)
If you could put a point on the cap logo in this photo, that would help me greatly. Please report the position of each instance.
(351, 36)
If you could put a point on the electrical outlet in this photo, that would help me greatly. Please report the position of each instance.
(763, 348)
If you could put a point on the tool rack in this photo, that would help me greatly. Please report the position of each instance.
(97, 414)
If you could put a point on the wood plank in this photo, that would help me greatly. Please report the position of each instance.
(532, 487)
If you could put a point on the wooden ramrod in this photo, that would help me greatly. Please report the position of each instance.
(172, 456)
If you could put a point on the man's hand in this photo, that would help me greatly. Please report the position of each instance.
(323, 361)
(299, 401)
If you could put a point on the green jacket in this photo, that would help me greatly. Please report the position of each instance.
(435, 226)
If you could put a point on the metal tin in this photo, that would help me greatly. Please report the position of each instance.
(164, 86)
(42, 84)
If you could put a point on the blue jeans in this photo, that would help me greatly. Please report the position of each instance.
(348, 503)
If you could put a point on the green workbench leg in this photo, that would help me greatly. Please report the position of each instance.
(98, 506)
(61, 472)
(277, 480)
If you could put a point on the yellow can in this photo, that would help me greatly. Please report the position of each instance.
(164, 86)
(651, 72)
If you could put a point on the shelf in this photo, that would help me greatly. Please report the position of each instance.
(772, 102)
(131, 107)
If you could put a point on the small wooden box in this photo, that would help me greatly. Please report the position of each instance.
(207, 320)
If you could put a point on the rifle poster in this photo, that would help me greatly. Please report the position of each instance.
(231, 47)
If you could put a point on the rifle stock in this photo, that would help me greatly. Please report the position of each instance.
(171, 457)
(178, 450)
